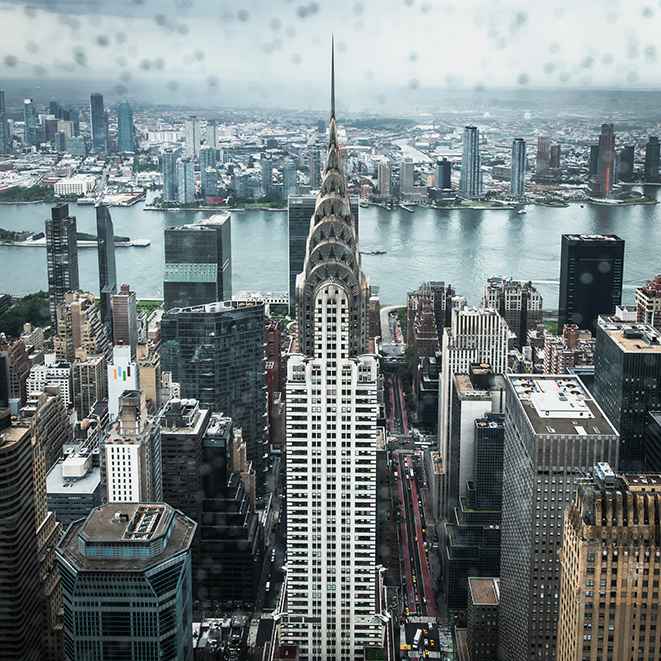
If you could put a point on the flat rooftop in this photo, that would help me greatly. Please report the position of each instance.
(632, 337)
(132, 524)
(468, 388)
(592, 237)
(559, 404)
(56, 484)
(484, 591)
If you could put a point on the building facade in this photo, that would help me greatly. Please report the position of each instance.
(62, 257)
(21, 601)
(216, 353)
(519, 166)
(107, 267)
(591, 269)
(554, 433)
(648, 303)
(125, 128)
(332, 409)
(518, 303)
(470, 183)
(611, 569)
(126, 577)
(627, 382)
(98, 124)
(198, 263)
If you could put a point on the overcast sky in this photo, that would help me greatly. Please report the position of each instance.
(388, 43)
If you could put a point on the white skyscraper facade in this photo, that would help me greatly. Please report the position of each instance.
(193, 137)
(476, 335)
(331, 600)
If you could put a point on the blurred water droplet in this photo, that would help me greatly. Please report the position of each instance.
(523, 79)
(79, 57)
(243, 15)
(102, 40)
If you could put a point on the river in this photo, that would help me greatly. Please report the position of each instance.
(462, 247)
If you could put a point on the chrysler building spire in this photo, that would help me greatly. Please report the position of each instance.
(332, 255)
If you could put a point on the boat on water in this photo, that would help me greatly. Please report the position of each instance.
(521, 211)
(372, 252)
(407, 208)
(363, 204)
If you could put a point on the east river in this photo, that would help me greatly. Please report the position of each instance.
(461, 247)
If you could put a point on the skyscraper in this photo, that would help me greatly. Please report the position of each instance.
(652, 154)
(591, 267)
(107, 268)
(216, 353)
(5, 136)
(554, 433)
(314, 167)
(300, 210)
(626, 160)
(266, 166)
(132, 454)
(519, 303)
(126, 577)
(470, 183)
(406, 177)
(98, 125)
(169, 175)
(207, 158)
(593, 160)
(648, 302)
(331, 440)
(62, 256)
(125, 319)
(519, 164)
(125, 128)
(627, 382)
(193, 137)
(211, 139)
(610, 569)
(31, 124)
(21, 608)
(543, 158)
(185, 181)
(606, 163)
(289, 178)
(555, 157)
(443, 174)
(476, 335)
(384, 177)
(198, 262)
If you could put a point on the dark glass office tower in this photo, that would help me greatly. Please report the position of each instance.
(5, 137)
(593, 163)
(626, 168)
(125, 128)
(301, 208)
(198, 263)
(216, 353)
(603, 185)
(62, 256)
(591, 268)
(443, 174)
(169, 174)
(652, 153)
(31, 124)
(627, 384)
(106, 253)
(98, 124)
(21, 618)
(126, 583)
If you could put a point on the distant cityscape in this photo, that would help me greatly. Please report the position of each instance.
(314, 474)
